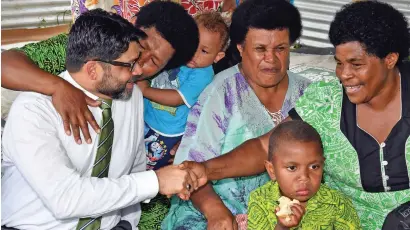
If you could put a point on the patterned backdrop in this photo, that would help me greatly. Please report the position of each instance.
(128, 8)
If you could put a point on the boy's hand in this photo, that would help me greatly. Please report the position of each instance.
(293, 220)
(143, 85)
(173, 152)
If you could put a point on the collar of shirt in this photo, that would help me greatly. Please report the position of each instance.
(66, 76)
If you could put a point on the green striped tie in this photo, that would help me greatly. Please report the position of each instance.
(102, 159)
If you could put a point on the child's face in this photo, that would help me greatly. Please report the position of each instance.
(209, 49)
(298, 169)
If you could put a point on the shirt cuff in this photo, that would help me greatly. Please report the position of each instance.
(147, 185)
(184, 99)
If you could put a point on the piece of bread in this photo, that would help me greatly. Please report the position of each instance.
(284, 207)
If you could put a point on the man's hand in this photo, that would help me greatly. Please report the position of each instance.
(173, 180)
(298, 212)
(221, 219)
(71, 103)
(143, 85)
(198, 169)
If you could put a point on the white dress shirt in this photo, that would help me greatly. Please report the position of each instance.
(47, 181)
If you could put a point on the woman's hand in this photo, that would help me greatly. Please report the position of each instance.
(71, 103)
(221, 219)
(284, 223)
(198, 169)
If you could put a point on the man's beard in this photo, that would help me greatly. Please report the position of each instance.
(111, 87)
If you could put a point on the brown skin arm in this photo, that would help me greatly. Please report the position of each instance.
(19, 73)
(211, 206)
(245, 160)
(168, 97)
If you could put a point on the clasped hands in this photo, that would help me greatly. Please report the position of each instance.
(72, 104)
(182, 179)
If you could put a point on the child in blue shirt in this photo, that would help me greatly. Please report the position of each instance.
(172, 93)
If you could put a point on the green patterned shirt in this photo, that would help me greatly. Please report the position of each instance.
(327, 209)
(49, 54)
(321, 107)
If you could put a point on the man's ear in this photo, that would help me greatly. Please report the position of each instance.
(270, 170)
(91, 68)
(240, 48)
(391, 60)
(219, 56)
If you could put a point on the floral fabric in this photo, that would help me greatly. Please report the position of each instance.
(128, 8)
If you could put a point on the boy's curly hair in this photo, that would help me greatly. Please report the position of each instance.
(214, 22)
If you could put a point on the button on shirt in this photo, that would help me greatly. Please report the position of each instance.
(47, 181)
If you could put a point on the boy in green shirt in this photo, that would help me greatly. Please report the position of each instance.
(295, 165)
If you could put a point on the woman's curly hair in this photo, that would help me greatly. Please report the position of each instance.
(380, 28)
(265, 14)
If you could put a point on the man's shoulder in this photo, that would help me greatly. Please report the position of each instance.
(30, 103)
(31, 98)
(30, 111)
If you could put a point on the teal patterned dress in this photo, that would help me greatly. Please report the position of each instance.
(226, 114)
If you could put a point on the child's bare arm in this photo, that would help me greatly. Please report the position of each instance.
(168, 97)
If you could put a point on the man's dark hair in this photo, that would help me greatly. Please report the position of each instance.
(97, 34)
(265, 14)
(380, 28)
(295, 130)
(175, 25)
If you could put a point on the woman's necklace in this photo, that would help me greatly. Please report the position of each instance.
(276, 116)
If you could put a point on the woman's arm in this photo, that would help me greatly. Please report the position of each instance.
(245, 160)
(211, 206)
(19, 73)
(32, 67)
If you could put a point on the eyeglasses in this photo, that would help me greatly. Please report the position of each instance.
(119, 63)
